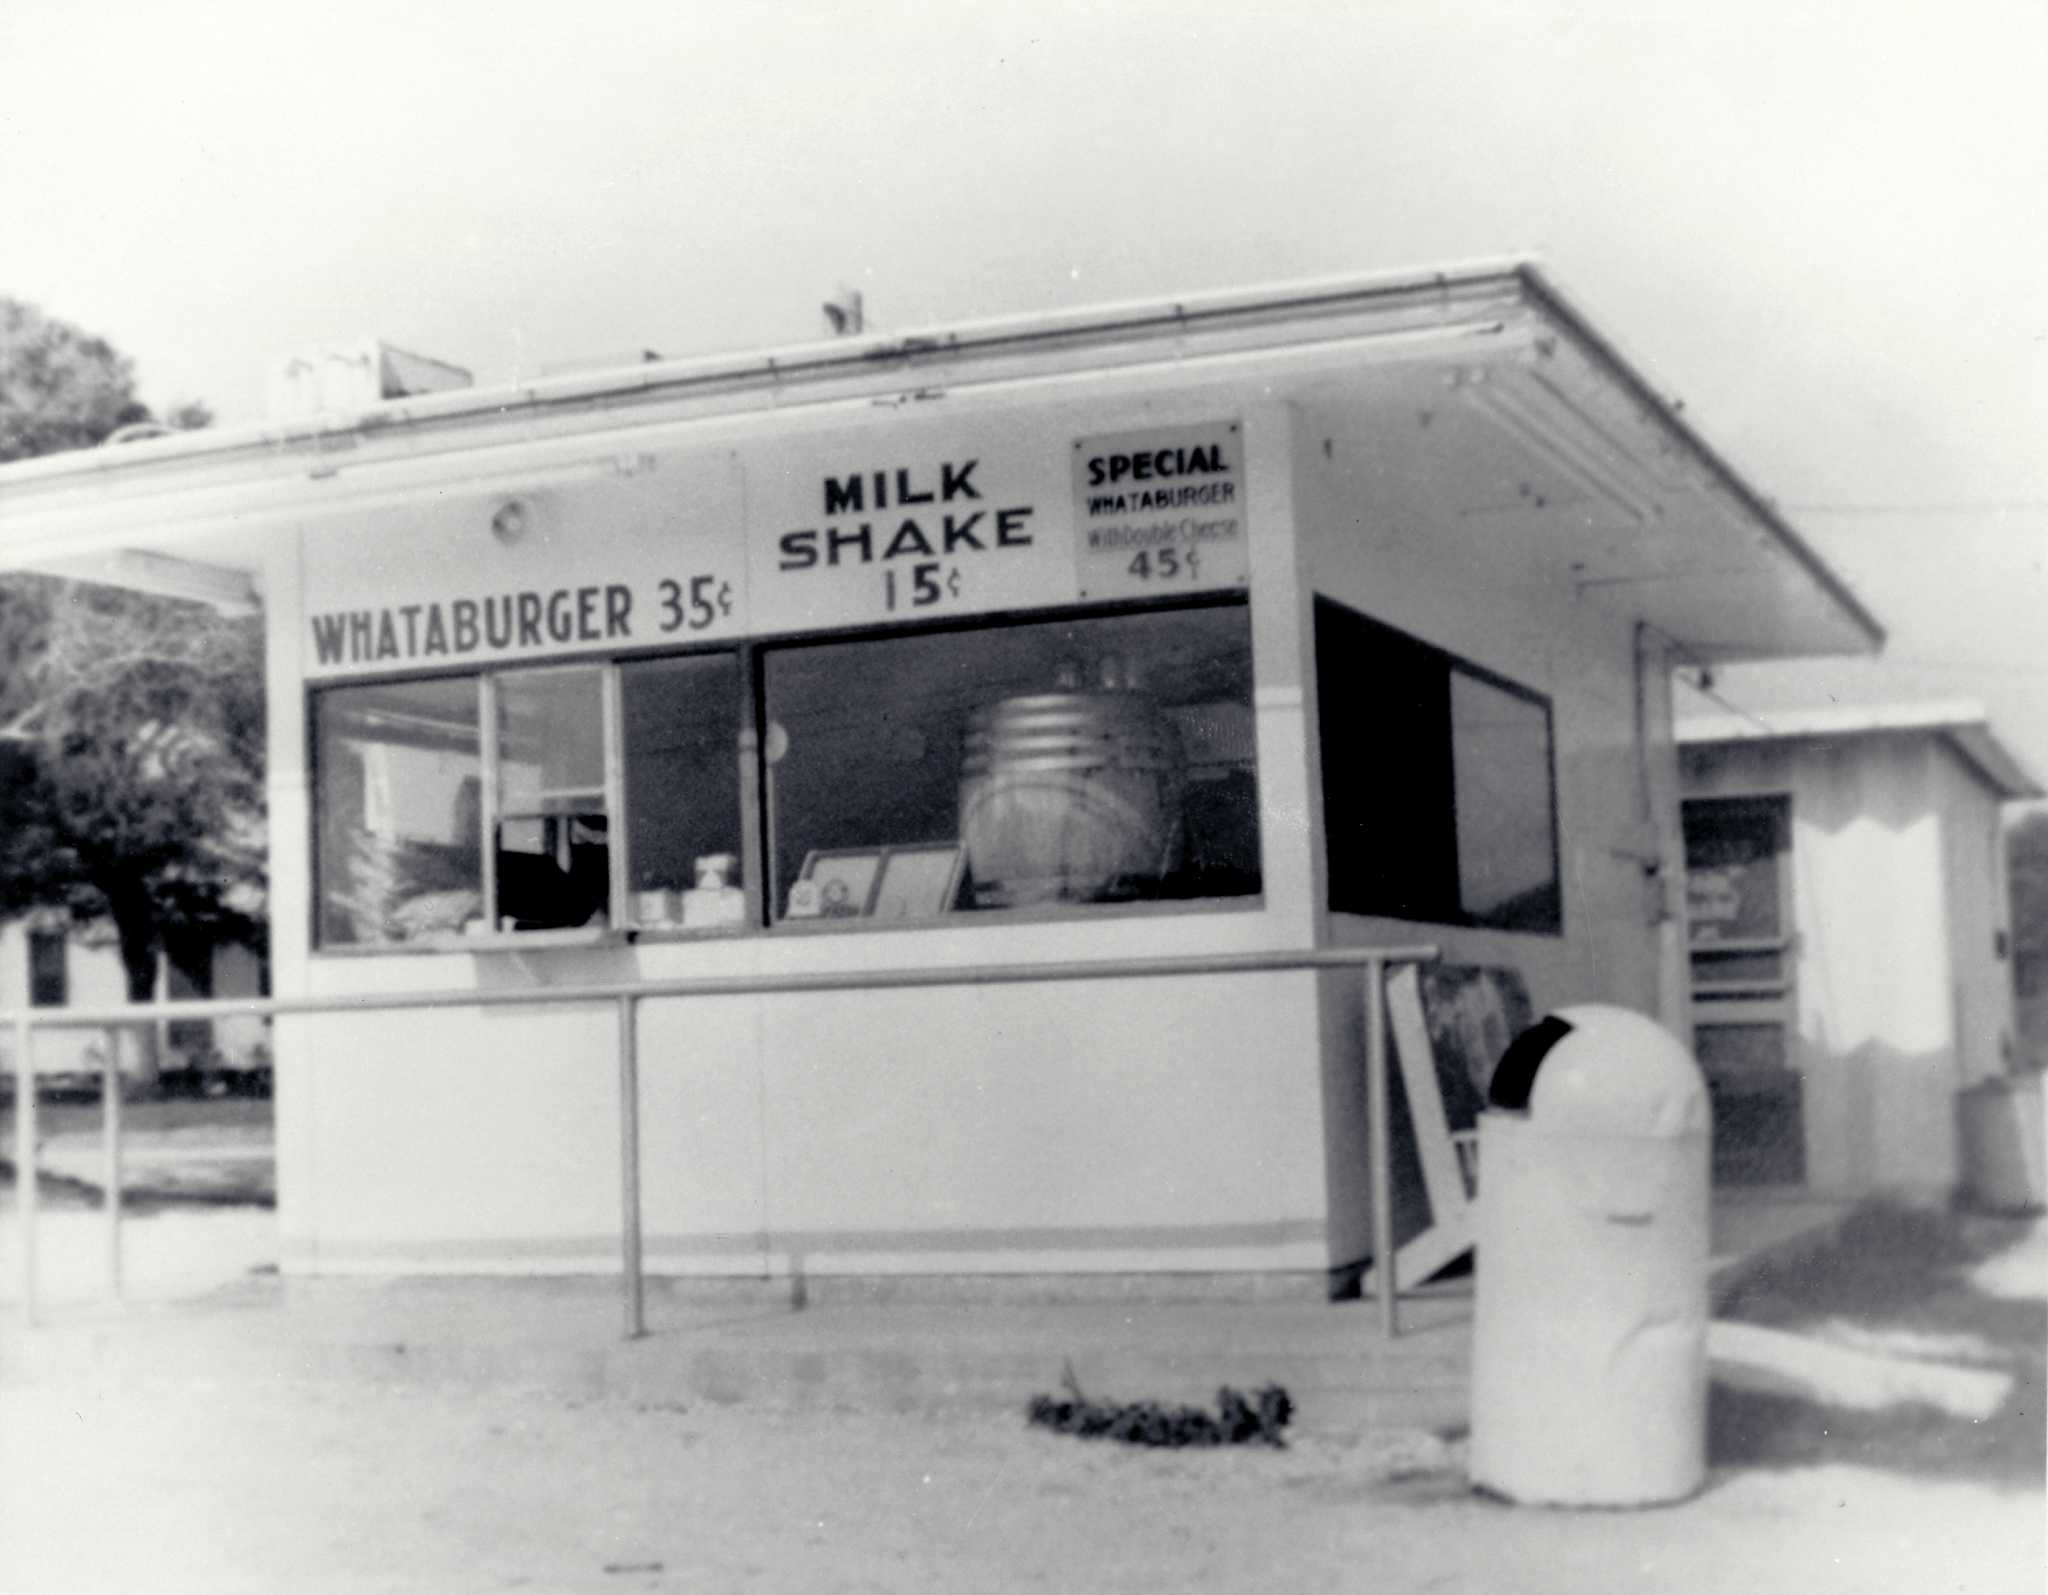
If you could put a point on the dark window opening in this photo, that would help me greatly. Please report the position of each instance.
(49, 981)
(1439, 798)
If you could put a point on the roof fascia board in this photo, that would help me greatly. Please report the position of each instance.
(1602, 350)
(1970, 738)
(360, 467)
(881, 363)
(1979, 748)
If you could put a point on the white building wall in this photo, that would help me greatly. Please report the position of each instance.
(1979, 917)
(1874, 964)
(1511, 611)
(94, 976)
(1166, 1125)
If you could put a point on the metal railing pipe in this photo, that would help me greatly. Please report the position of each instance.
(624, 998)
(110, 1148)
(25, 1160)
(96, 1016)
(1377, 1112)
(629, 1168)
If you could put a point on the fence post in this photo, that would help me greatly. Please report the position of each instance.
(110, 1127)
(25, 1161)
(1382, 1147)
(629, 1167)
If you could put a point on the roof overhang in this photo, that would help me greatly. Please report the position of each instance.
(1963, 725)
(1491, 412)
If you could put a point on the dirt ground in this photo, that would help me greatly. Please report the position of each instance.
(220, 1485)
(217, 1487)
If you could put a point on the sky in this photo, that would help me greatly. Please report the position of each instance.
(1820, 227)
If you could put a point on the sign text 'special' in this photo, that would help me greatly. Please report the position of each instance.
(1127, 476)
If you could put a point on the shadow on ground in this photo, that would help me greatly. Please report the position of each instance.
(1904, 1280)
(180, 1152)
(140, 1195)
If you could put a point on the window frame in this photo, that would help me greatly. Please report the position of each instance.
(755, 649)
(490, 702)
(756, 791)
(1452, 665)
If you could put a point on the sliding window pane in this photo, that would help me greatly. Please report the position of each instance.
(400, 815)
(685, 860)
(1507, 845)
(1070, 761)
(553, 829)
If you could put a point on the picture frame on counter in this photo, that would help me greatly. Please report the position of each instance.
(841, 883)
(918, 882)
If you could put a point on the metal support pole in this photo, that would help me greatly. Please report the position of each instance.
(25, 1162)
(159, 994)
(629, 1167)
(1382, 1147)
(110, 1126)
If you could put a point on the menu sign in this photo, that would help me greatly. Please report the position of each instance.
(875, 526)
(1159, 512)
(657, 556)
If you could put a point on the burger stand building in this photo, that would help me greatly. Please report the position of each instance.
(1319, 617)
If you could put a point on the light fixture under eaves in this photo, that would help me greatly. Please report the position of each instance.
(1569, 446)
(511, 521)
(225, 589)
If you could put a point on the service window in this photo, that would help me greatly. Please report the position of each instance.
(1064, 762)
(603, 795)
(548, 795)
(1439, 797)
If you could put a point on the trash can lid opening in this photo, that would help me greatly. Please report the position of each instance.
(1515, 1075)
(1618, 1073)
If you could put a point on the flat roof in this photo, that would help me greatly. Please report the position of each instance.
(1963, 723)
(1550, 441)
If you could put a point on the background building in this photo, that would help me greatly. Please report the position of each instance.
(1850, 939)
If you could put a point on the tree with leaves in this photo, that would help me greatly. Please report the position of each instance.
(61, 388)
(132, 724)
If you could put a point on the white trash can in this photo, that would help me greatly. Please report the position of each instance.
(1589, 1340)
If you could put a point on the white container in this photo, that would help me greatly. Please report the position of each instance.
(655, 908)
(1589, 1373)
(709, 907)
